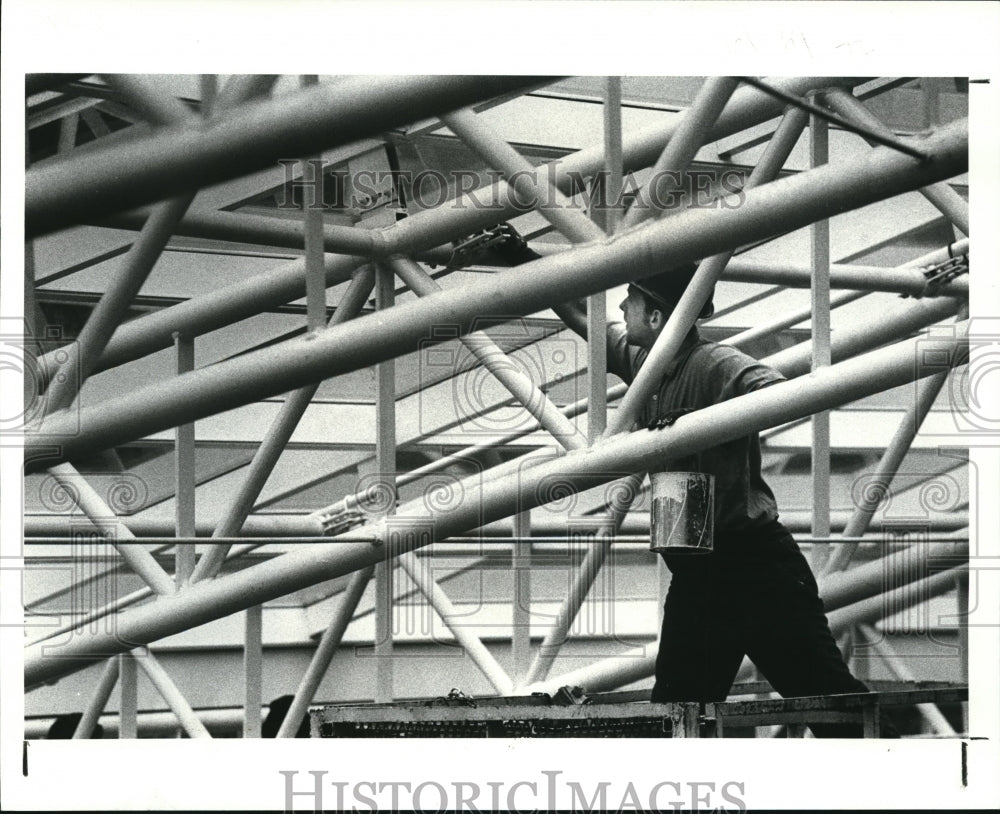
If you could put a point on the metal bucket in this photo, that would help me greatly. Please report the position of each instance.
(683, 512)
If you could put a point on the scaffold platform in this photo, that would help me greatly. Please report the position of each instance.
(570, 714)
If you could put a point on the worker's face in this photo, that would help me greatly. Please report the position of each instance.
(642, 323)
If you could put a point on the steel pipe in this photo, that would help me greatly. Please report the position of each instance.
(102, 693)
(700, 289)
(859, 278)
(257, 525)
(253, 669)
(947, 201)
(691, 134)
(141, 257)
(931, 258)
(476, 650)
(128, 706)
(784, 401)
(177, 159)
(325, 651)
(423, 231)
(795, 521)
(583, 580)
(520, 613)
(385, 472)
(523, 178)
(101, 515)
(168, 690)
(302, 526)
(274, 442)
(819, 297)
(607, 217)
(792, 202)
(795, 361)
(149, 101)
(613, 159)
(881, 479)
(185, 479)
(506, 371)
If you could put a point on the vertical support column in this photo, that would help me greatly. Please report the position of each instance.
(521, 611)
(253, 669)
(930, 91)
(385, 463)
(962, 590)
(209, 84)
(820, 244)
(597, 366)
(609, 217)
(184, 474)
(613, 154)
(315, 271)
(129, 707)
(312, 206)
(92, 713)
(67, 133)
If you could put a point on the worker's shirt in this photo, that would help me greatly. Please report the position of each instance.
(705, 373)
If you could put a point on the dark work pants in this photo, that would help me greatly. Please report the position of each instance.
(753, 596)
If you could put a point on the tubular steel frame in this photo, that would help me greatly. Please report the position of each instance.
(180, 155)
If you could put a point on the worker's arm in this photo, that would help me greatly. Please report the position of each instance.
(574, 315)
(515, 250)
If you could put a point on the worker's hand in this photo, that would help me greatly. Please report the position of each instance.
(668, 418)
(513, 249)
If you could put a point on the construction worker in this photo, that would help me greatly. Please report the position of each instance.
(754, 594)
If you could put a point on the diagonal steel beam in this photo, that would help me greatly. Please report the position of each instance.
(475, 649)
(778, 206)
(931, 258)
(838, 384)
(627, 489)
(105, 686)
(795, 361)
(425, 230)
(947, 201)
(325, 651)
(530, 189)
(881, 479)
(701, 286)
(506, 371)
(274, 442)
(143, 254)
(681, 149)
(170, 693)
(64, 191)
(101, 515)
